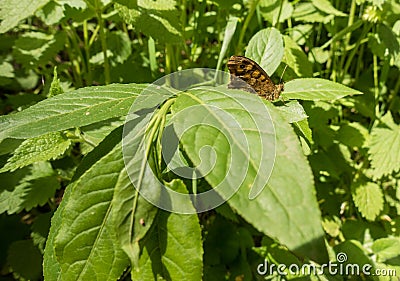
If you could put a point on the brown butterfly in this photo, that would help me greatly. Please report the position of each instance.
(247, 75)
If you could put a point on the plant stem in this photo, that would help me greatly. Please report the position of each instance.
(245, 25)
(103, 39)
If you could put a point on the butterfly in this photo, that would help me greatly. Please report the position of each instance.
(247, 75)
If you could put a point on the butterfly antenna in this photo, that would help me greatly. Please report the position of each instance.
(280, 80)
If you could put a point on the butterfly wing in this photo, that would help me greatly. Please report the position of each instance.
(255, 78)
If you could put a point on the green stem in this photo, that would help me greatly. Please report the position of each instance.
(246, 24)
(103, 40)
(376, 87)
(354, 51)
(86, 46)
(73, 51)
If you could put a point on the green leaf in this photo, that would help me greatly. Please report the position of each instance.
(352, 134)
(42, 148)
(326, 7)
(158, 19)
(387, 249)
(51, 265)
(34, 49)
(228, 35)
(173, 247)
(307, 12)
(270, 11)
(266, 48)
(316, 89)
(384, 148)
(368, 198)
(292, 111)
(25, 259)
(85, 244)
(384, 43)
(12, 12)
(6, 72)
(52, 13)
(74, 109)
(296, 59)
(119, 49)
(34, 189)
(286, 208)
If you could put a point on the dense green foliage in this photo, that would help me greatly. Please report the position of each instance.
(69, 73)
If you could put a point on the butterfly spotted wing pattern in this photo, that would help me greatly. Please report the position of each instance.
(247, 75)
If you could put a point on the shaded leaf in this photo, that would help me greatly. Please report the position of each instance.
(35, 48)
(158, 19)
(173, 247)
(25, 259)
(33, 190)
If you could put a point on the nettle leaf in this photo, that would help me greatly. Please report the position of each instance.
(286, 206)
(74, 109)
(158, 19)
(266, 48)
(368, 198)
(32, 190)
(42, 148)
(173, 247)
(316, 89)
(85, 240)
(12, 12)
(33, 49)
(384, 148)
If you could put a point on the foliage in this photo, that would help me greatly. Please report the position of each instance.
(332, 187)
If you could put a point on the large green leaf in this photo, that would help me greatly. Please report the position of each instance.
(286, 208)
(266, 48)
(74, 109)
(85, 243)
(316, 89)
